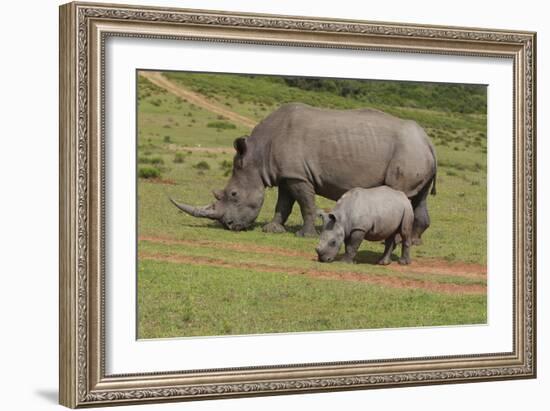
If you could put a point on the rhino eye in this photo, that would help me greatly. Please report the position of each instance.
(233, 193)
(332, 243)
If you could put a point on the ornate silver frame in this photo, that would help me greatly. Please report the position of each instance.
(83, 30)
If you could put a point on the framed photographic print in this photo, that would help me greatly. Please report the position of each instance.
(259, 204)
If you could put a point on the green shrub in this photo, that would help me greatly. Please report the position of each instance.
(202, 165)
(179, 158)
(148, 172)
(450, 257)
(226, 165)
(157, 160)
(221, 125)
(167, 139)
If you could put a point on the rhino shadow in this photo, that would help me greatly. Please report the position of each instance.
(371, 257)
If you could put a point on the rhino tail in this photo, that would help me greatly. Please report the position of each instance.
(433, 190)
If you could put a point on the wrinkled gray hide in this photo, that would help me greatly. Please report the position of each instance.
(372, 214)
(306, 151)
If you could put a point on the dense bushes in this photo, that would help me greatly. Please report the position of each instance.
(221, 125)
(337, 93)
(444, 97)
(149, 172)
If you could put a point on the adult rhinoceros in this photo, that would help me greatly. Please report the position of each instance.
(306, 151)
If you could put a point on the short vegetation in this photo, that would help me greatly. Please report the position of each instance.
(197, 278)
(149, 172)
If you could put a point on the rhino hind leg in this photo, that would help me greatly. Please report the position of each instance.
(421, 216)
(285, 202)
(304, 193)
(421, 222)
(406, 232)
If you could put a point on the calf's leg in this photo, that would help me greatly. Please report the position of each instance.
(389, 245)
(352, 245)
(405, 252)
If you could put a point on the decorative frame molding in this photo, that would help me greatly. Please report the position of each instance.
(83, 30)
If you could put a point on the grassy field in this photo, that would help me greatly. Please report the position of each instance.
(195, 278)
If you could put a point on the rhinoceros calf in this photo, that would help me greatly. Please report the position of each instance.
(306, 151)
(372, 214)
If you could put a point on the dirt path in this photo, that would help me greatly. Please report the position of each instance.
(426, 266)
(159, 80)
(393, 282)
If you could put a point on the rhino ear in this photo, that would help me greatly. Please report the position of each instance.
(328, 218)
(240, 145)
(330, 221)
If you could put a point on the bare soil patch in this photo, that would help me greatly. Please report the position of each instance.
(386, 281)
(424, 266)
(159, 80)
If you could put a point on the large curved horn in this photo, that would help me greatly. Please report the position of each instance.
(208, 211)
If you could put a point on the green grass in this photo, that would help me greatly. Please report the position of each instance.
(182, 300)
(190, 300)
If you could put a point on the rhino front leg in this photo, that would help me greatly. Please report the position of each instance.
(389, 245)
(285, 202)
(352, 245)
(304, 194)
